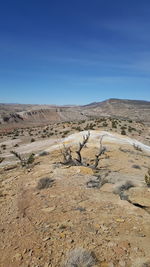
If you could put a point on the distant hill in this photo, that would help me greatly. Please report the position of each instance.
(14, 114)
(133, 109)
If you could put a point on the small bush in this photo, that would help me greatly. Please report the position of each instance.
(65, 132)
(130, 129)
(105, 124)
(123, 132)
(80, 257)
(3, 146)
(30, 159)
(123, 127)
(78, 128)
(147, 178)
(114, 124)
(32, 140)
(119, 190)
(44, 183)
(96, 182)
(16, 145)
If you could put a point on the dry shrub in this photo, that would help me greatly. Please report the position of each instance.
(96, 182)
(121, 188)
(80, 257)
(45, 183)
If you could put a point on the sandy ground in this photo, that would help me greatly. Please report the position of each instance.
(39, 227)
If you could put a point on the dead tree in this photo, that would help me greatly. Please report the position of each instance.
(81, 145)
(102, 150)
(69, 160)
(25, 162)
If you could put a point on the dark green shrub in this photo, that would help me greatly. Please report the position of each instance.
(123, 132)
(3, 146)
(105, 124)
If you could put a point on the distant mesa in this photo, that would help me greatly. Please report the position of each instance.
(24, 114)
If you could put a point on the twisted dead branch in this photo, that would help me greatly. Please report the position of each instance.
(102, 150)
(69, 160)
(67, 156)
(25, 162)
(81, 145)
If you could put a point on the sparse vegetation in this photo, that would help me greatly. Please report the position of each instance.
(123, 132)
(3, 146)
(105, 124)
(16, 145)
(97, 181)
(114, 124)
(75, 212)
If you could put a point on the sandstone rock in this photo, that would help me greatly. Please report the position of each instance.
(139, 195)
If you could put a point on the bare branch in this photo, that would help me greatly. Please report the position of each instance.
(25, 162)
(101, 152)
(67, 154)
(16, 154)
(81, 145)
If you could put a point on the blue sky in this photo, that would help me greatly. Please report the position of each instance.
(74, 51)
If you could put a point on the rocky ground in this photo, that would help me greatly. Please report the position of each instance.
(39, 227)
(36, 139)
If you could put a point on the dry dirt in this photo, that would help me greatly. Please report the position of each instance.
(39, 227)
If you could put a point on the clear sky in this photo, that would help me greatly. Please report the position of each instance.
(74, 51)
